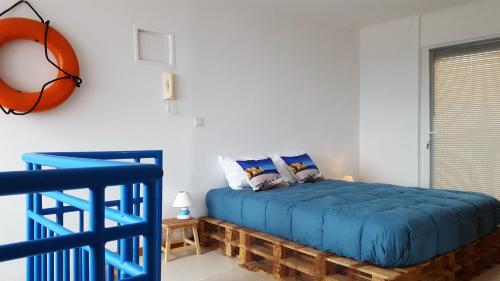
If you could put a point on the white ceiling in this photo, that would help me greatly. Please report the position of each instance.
(359, 13)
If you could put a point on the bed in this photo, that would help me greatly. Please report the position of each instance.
(387, 225)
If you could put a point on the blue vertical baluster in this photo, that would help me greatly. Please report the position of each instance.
(118, 249)
(50, 269)
(81, 224)
(151, 261)
(59, 254)
(44, 256)
(77, 252)
(85, 265)
(125, 208)
(118, 244)
(81, 215)
(66, 269)
(158, 193)
(37, 261)
(37, 206)
(76, 264)
(110, 273)
(29, 230)
(137, 212)
(97, 261)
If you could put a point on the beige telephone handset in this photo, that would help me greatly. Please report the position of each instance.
(168, 90)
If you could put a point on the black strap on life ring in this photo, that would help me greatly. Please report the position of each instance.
(78, 80)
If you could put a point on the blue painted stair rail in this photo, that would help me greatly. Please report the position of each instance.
(105, 243)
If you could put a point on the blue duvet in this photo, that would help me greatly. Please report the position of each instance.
(388, 225)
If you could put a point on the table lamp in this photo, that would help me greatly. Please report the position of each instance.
(183, 201)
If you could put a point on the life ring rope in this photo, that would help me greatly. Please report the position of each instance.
(76, 79)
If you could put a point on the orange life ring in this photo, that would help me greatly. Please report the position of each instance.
(59, 91)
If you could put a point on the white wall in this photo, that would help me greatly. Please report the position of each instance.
(391, 55)
(265, 78)
(476, 20)
(389, 102)
(272, 82)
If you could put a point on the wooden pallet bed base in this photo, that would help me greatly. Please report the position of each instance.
(286, 260)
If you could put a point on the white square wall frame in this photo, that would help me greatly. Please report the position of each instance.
(154, 47)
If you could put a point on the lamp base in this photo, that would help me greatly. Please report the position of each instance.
(184, 214)
(183, 217)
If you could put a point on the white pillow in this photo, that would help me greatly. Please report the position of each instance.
(235, 176)
(283, 169)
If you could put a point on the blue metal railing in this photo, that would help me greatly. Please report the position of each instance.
(53, 251)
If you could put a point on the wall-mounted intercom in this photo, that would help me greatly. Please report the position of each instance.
(169, 90)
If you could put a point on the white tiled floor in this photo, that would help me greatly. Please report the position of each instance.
(213, 266)
(210, 266)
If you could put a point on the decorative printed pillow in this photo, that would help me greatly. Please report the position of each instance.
(282, 168)
(303, 168)
(262, 174)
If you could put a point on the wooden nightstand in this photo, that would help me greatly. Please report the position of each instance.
(168, 227)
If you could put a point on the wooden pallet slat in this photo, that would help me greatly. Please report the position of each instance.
(308, 261)
(299, 265)
(231, 238)
(374, 271)
(244, 255)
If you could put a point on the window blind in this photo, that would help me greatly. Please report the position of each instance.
(465, 121)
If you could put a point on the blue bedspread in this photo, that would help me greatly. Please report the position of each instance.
(388, 225)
